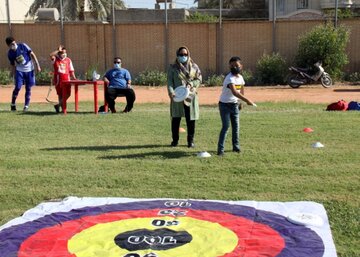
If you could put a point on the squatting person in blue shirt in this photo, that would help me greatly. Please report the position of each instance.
(21, 58)
(119, 84)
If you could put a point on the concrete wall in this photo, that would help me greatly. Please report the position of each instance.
(151, 46)
(150, 15)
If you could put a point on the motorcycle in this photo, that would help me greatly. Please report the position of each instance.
(303, 76)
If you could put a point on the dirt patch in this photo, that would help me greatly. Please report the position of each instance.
(207, 95)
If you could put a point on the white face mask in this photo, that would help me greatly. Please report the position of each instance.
(117, 65)
(13, 47)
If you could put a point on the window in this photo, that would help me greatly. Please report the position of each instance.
(303, 4)
(280, 6)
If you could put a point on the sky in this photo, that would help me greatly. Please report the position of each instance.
(18, 8)
(151, 4)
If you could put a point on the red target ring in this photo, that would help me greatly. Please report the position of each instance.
(254, 238)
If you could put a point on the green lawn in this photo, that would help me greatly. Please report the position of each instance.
(46, 156)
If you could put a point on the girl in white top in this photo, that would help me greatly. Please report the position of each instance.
(232, 90)
(227, 94)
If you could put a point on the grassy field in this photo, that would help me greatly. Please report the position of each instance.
(46, 156)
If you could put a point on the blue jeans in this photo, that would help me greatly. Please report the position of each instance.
(21, 78)
(229, 112)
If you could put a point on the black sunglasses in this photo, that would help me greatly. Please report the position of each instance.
(118, 62)
(182, 54)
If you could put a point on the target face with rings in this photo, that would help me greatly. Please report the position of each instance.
(161, 228)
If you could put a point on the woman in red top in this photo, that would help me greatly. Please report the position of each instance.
(63, 71)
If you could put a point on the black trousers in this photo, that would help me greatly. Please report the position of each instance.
(112, 93)
(190, 124)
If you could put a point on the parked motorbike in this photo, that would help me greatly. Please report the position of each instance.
(303, 76)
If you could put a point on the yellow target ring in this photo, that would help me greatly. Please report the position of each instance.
(98, 240)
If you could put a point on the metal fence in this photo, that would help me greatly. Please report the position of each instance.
(152, 45)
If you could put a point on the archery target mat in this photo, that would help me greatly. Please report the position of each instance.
(124, 227)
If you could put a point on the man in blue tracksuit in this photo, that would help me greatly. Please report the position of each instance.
(21, 58)
(119, 84)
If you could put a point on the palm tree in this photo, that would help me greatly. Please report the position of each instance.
(74, 9)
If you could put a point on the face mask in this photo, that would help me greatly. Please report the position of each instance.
(117, 65)
(235, 70)
(13, 47)
(182, 59)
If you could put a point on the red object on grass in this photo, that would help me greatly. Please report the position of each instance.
(308, 130)
(338, 106)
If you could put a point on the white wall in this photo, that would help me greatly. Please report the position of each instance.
(18, 9)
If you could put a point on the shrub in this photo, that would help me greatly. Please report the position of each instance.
(271, 69)
(201, 17)
(342, 13)
(248, 77)
(214, 80)
(44, 77)
(326, 44)
(5, 77)
(90, 70)
(151, 78)
(354, 77)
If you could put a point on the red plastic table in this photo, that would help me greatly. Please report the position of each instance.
(76, 84)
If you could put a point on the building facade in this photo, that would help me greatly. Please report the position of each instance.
(284, 9)
(307, 9)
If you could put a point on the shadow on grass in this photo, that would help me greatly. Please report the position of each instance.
(164, 154)
(161, 154)
(48, 113)
(40, 113)
(20, 112)
(101, 147)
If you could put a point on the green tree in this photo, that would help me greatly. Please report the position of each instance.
(231, 4)
(326, 44)
(202, 17)
(74, 9)
(214, 4)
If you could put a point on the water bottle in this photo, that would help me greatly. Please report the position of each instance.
(95, 76)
